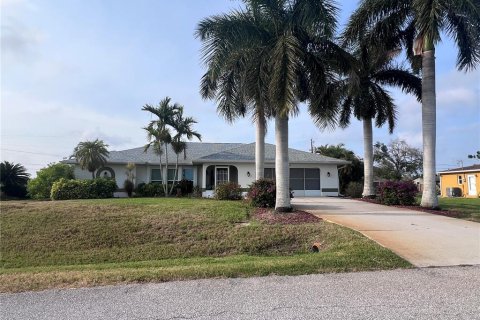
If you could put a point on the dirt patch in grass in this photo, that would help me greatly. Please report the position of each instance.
(269, 216)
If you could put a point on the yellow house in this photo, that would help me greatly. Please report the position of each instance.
(460, 182)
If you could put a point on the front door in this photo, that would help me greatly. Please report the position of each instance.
(221, 175)
(472, 185)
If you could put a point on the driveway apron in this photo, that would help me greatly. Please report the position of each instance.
(423, 239)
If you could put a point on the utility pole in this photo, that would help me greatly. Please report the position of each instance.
(311, 146)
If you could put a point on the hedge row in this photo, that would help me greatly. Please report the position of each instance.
(64, 189)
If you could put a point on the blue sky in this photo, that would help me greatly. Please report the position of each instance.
(76, 70)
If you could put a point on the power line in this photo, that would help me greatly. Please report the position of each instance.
(38, 153)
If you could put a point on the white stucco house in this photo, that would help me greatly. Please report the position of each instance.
(210, 164)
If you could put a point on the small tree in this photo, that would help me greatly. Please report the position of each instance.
(398, 160)
(14, 178)
(91, 155)
(40, 187)
(129, 185)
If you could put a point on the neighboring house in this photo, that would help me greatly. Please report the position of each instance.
(460, 182)
(210, 164)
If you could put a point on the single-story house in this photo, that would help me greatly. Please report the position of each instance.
(210, 164)
(460, 182)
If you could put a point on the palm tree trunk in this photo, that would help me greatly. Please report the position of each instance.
(175, 176)
(282, 170)
(429, 194)
(368, 189)
(260, 148)
(165, 181)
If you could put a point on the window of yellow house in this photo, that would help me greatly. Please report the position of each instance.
(460, 180)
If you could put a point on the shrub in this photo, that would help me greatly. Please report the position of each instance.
(41, 186)
(64, 189)
(397, 193)
(228, 191)
(186, 186)
(150, 190)
(128, 186)
(262, 193)
(354, 190)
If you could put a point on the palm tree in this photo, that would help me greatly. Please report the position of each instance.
(280, 50)
(418, 25)
(156, 136)
(183, 126)
(361, 93)
(14, 178)
(91, 155)
(233, 78)
(158, 133)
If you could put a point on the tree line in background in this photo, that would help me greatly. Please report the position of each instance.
(271, 55)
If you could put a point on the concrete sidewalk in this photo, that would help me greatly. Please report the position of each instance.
(423, 239)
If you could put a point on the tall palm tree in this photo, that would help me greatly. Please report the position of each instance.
(361, 93)
(183, 127)
(91, 155)
(280, 48)
(158, 132)
(418, 25)
(14, 178)
(233, 78)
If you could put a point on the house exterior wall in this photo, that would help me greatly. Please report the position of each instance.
(329, 184)
(450, 180)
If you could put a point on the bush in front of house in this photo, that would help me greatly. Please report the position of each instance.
(100, 188)
(397, 193)
(129, 187)
(153, 189)
(228, 191)
(262, 193)
(354, 190)
(186, 186)
(41, 186)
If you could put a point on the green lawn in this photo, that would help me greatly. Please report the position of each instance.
(93, 242)
(468, 207)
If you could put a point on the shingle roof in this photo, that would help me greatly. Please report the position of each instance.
(246, 153)
(199, 152)
(474, 167)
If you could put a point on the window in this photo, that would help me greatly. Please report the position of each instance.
(187, 174)
(222, 175)
(269, 173)
(155, 175)
(460, 180)
(171, 175)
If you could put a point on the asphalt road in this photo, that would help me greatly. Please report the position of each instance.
(428, 293)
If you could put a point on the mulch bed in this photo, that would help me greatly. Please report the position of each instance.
(440, 212)
(295, 217)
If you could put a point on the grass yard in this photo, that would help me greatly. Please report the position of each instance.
(96, 242)
(468, 208)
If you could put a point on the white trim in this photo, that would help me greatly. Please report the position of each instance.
(459, 171)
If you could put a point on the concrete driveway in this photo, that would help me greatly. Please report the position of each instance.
(423, 239)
